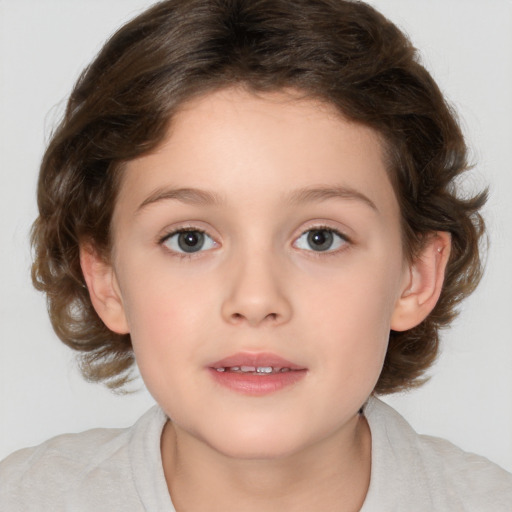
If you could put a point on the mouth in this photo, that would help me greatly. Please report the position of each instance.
(256, 374)
(254, 370)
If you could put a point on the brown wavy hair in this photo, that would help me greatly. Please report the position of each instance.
(339, 51)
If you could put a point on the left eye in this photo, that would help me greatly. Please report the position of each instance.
(189, 241)
(320, 240)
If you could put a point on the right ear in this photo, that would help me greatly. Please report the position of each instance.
(103, 289)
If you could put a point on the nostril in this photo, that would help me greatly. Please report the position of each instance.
(239, 316)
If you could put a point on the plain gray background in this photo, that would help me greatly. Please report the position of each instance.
(466, 44)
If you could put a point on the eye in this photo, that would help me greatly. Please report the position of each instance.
(188, 241)
(321, 240)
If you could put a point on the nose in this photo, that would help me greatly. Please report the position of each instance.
(255, 292)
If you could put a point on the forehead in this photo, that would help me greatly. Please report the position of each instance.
(244, 147)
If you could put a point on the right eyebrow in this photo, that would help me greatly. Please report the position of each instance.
(193, 196)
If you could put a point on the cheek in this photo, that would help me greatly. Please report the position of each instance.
(162, 296)
(358, 297)
(351, 314)
(165, 312)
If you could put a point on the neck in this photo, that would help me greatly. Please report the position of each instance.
(331, 475)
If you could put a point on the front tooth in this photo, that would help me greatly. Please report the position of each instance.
(248, 368)
(264, 369)
(235, 368)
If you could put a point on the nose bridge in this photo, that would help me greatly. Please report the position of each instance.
(255, 292)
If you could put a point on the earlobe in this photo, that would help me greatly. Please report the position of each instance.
(424, 283)
(103, 289)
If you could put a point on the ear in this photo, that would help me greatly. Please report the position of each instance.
(424, 283)
(103, 289)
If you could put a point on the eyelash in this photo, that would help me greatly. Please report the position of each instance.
(322, 254)
(316, 254)
(178, 254)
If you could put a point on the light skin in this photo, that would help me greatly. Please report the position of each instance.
(265, 178)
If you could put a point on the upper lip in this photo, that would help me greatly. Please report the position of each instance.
(255, 359)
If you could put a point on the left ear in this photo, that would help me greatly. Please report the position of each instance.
(423, 287)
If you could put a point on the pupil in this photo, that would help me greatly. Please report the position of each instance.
(320, 239)
(191, 241)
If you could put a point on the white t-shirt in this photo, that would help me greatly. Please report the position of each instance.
(110, 470)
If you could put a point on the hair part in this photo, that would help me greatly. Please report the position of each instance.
(341, 52)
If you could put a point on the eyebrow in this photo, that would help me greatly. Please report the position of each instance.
(193, 196)
(307, 195)
(199, 197)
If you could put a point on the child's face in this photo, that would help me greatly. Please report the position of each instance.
(264, 185)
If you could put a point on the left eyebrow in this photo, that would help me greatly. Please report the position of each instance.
(312, 194)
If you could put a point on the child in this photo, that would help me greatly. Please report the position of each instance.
(256, 201)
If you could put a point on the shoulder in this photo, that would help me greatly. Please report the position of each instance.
(432, 471)
(49, 472)
(467, 477)
(70, 465)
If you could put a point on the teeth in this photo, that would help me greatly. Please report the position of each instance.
(254, 369)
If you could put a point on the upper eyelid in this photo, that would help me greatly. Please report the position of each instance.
(321, 227)
(332, 230)
(176, 231)
(171, 231)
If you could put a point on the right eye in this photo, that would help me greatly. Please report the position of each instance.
(188, 241)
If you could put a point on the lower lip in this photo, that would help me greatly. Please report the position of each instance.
(257, 385)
